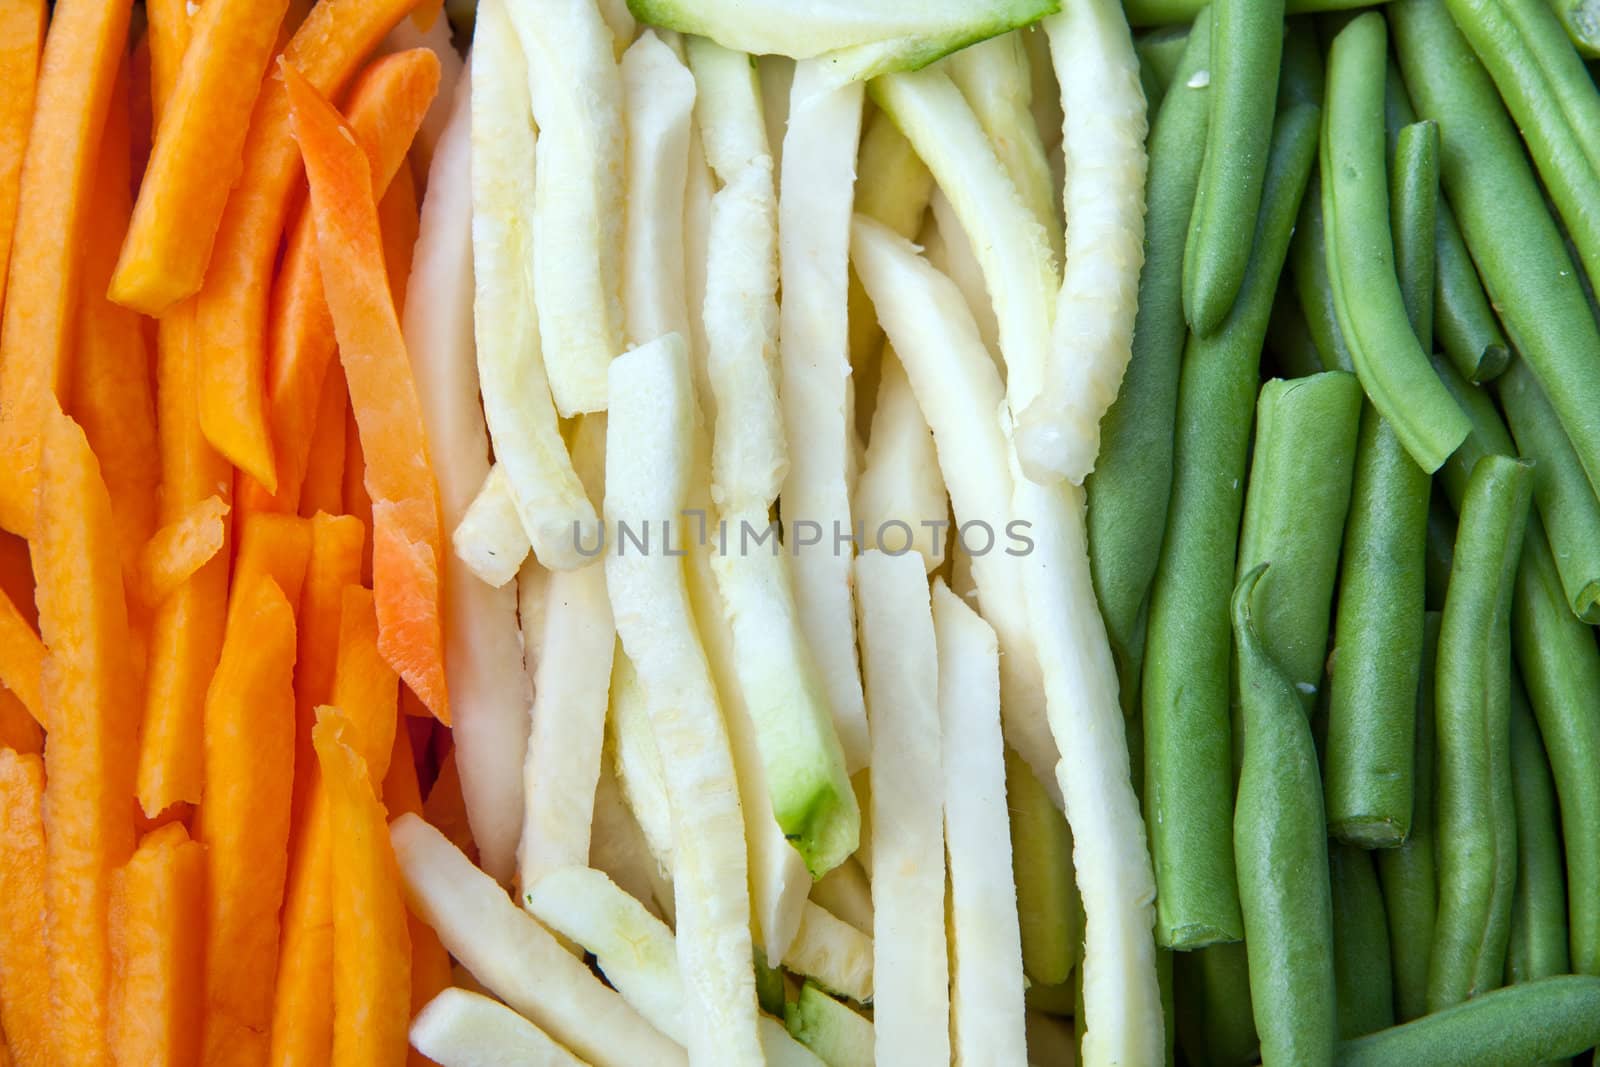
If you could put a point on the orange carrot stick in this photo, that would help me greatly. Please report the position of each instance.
(16, 576)
(445, 809)
(196, 154)
(18, 730)
(336, 543)
(21, 37)
(365, 687)
(21, 659)
(232, 304)
(168, 33)
(141, 109)
(179, 549)
(385, 110)
(89, 702)
(371, 952)
(399, 221)
(157, 951)
(25, 1008)
(357, 501)
(278, 546)
(323, 487)
(244, 820)
(401, 792)
(405, 499)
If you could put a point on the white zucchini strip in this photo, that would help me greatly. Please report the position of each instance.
(619, 20)
(698, 191)
(617, 847)
(516, 395)
(483, 654)
(986, 984)
(893, 185)
(490, 539)
(578, 209)
(1058, 433)
(1009, 243)
(814, 243)
(997, 80)
(658, 100)
(649, 460)
(1122, 1002)
(959, 392)
(835, 1032)
(777, 80)
(517, 959)
(900, 499)
(844, 891)
(458, 1028)
(637, 762)
(911, 994)
(533, 598)
(948, 249)
(832, 953)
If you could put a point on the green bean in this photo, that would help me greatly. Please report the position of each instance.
(1188, 769)
(1441, 550)
(1282, 852)
(1561, 491)
(1363, 977)
(1550, 1019)
(1539, 910)
(1561, 667)
(1289, 338)
(1407, 874)
(1489, 435)
(1473, 708)
(1393, 368)
(1132, 480)
(1513, 240)
(1171, 12)
(1160, 52)
(1222, 1033)
(1308, 263)
(1414, 200)
(1581, 20)
(1246, 53)
(1294, 511)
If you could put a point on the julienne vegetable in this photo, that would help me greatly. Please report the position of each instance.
(1538, 946)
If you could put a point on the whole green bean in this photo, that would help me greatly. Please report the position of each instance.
(1561, 668)
(1246, 53)
(1513, 240)
(1308, 265)
(1282, 852)
(1414, 213)
(1539, 910)
(1581, 20)
(1362, 973)
(1132, 479)
(1393, 367)
(1220, 1031)
(1489, 436)
(1188, 769)
(1550, 1019)
(1294, 514)
(1171, 12)
(1473, 708)
(1160, 52)
(1406, 872)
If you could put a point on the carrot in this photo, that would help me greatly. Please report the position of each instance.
(156, 950)
(244, 820)
(385, 110)
(336, 544)
(232, 302)
(18, 730)
(365, 688)
(371, 950)
(402, 794)
(398, 221)
(410, 705)
(323, 487)
(445, 809)
(16, 576)
(425, 12)
(25, 1008)
(168, 33)
(82, 52)
(21, 36)
(110, 393)
(88, 699)
(21, 659)
(406, 531)
(176, 551)
(141, 112)
(278, 546)
(196, 155)
(357, 501)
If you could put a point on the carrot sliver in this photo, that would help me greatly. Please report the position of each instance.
(277, 546)
(176, 551)
(16, 576)
(399, 221)
(88, 699)
(447, 811)
(141, 110)
(302, 1010)
(365, 687)
(244, 819)
(402, 793)
(168, 33)
(232, 303)
(430, 963)
(21, 38)
(21, 659)
(335, 564)
(406, 535)
(357, 502)
(196, 154)
(425, 12)
(25, 1008)
(323, 487)
(18, 730)
(156, 949)
(371, 942)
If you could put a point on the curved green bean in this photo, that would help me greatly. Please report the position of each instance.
(1188, 768)
(1171, 12)
(1362, 973)
(1394, 369)
(1513, 240)
(1406, 872)
(1132, 480)
(1294, 515)
(1282, 853)
(1561, 668)
(1414, 212)
(1489, 436)
(1539, 910)
(1160, 53)
(1581, 20)
(1246, 53)
(1308, 265)
(1473, 708)
(1550, 1019)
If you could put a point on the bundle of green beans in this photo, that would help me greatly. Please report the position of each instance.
(1345, 530)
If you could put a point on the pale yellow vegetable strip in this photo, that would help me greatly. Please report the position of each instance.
(459, 1028)
(900, 497)
(832, 953)
(489, 540)
(949, 250)
(617, 847)
(845, 892)
(637, 761)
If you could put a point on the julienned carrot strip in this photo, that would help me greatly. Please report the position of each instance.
(365, 688)
(336, 543)
(323, 487)
(232, 303)
(401, 791)
(82, 52)
(357, 501)
(110, 394)
(385, 110)
(25, 1009)
(21, 35)
(425, 12)
(168, 33)
(447, 811)
(278, 546)
(18, 730)
(179, 549)
(141, 111)
(196, 154)
(156, 949)
(93, 711)
(405, 499)
(16, 575)
(398, 220)
(244, 819)
(21, 659)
